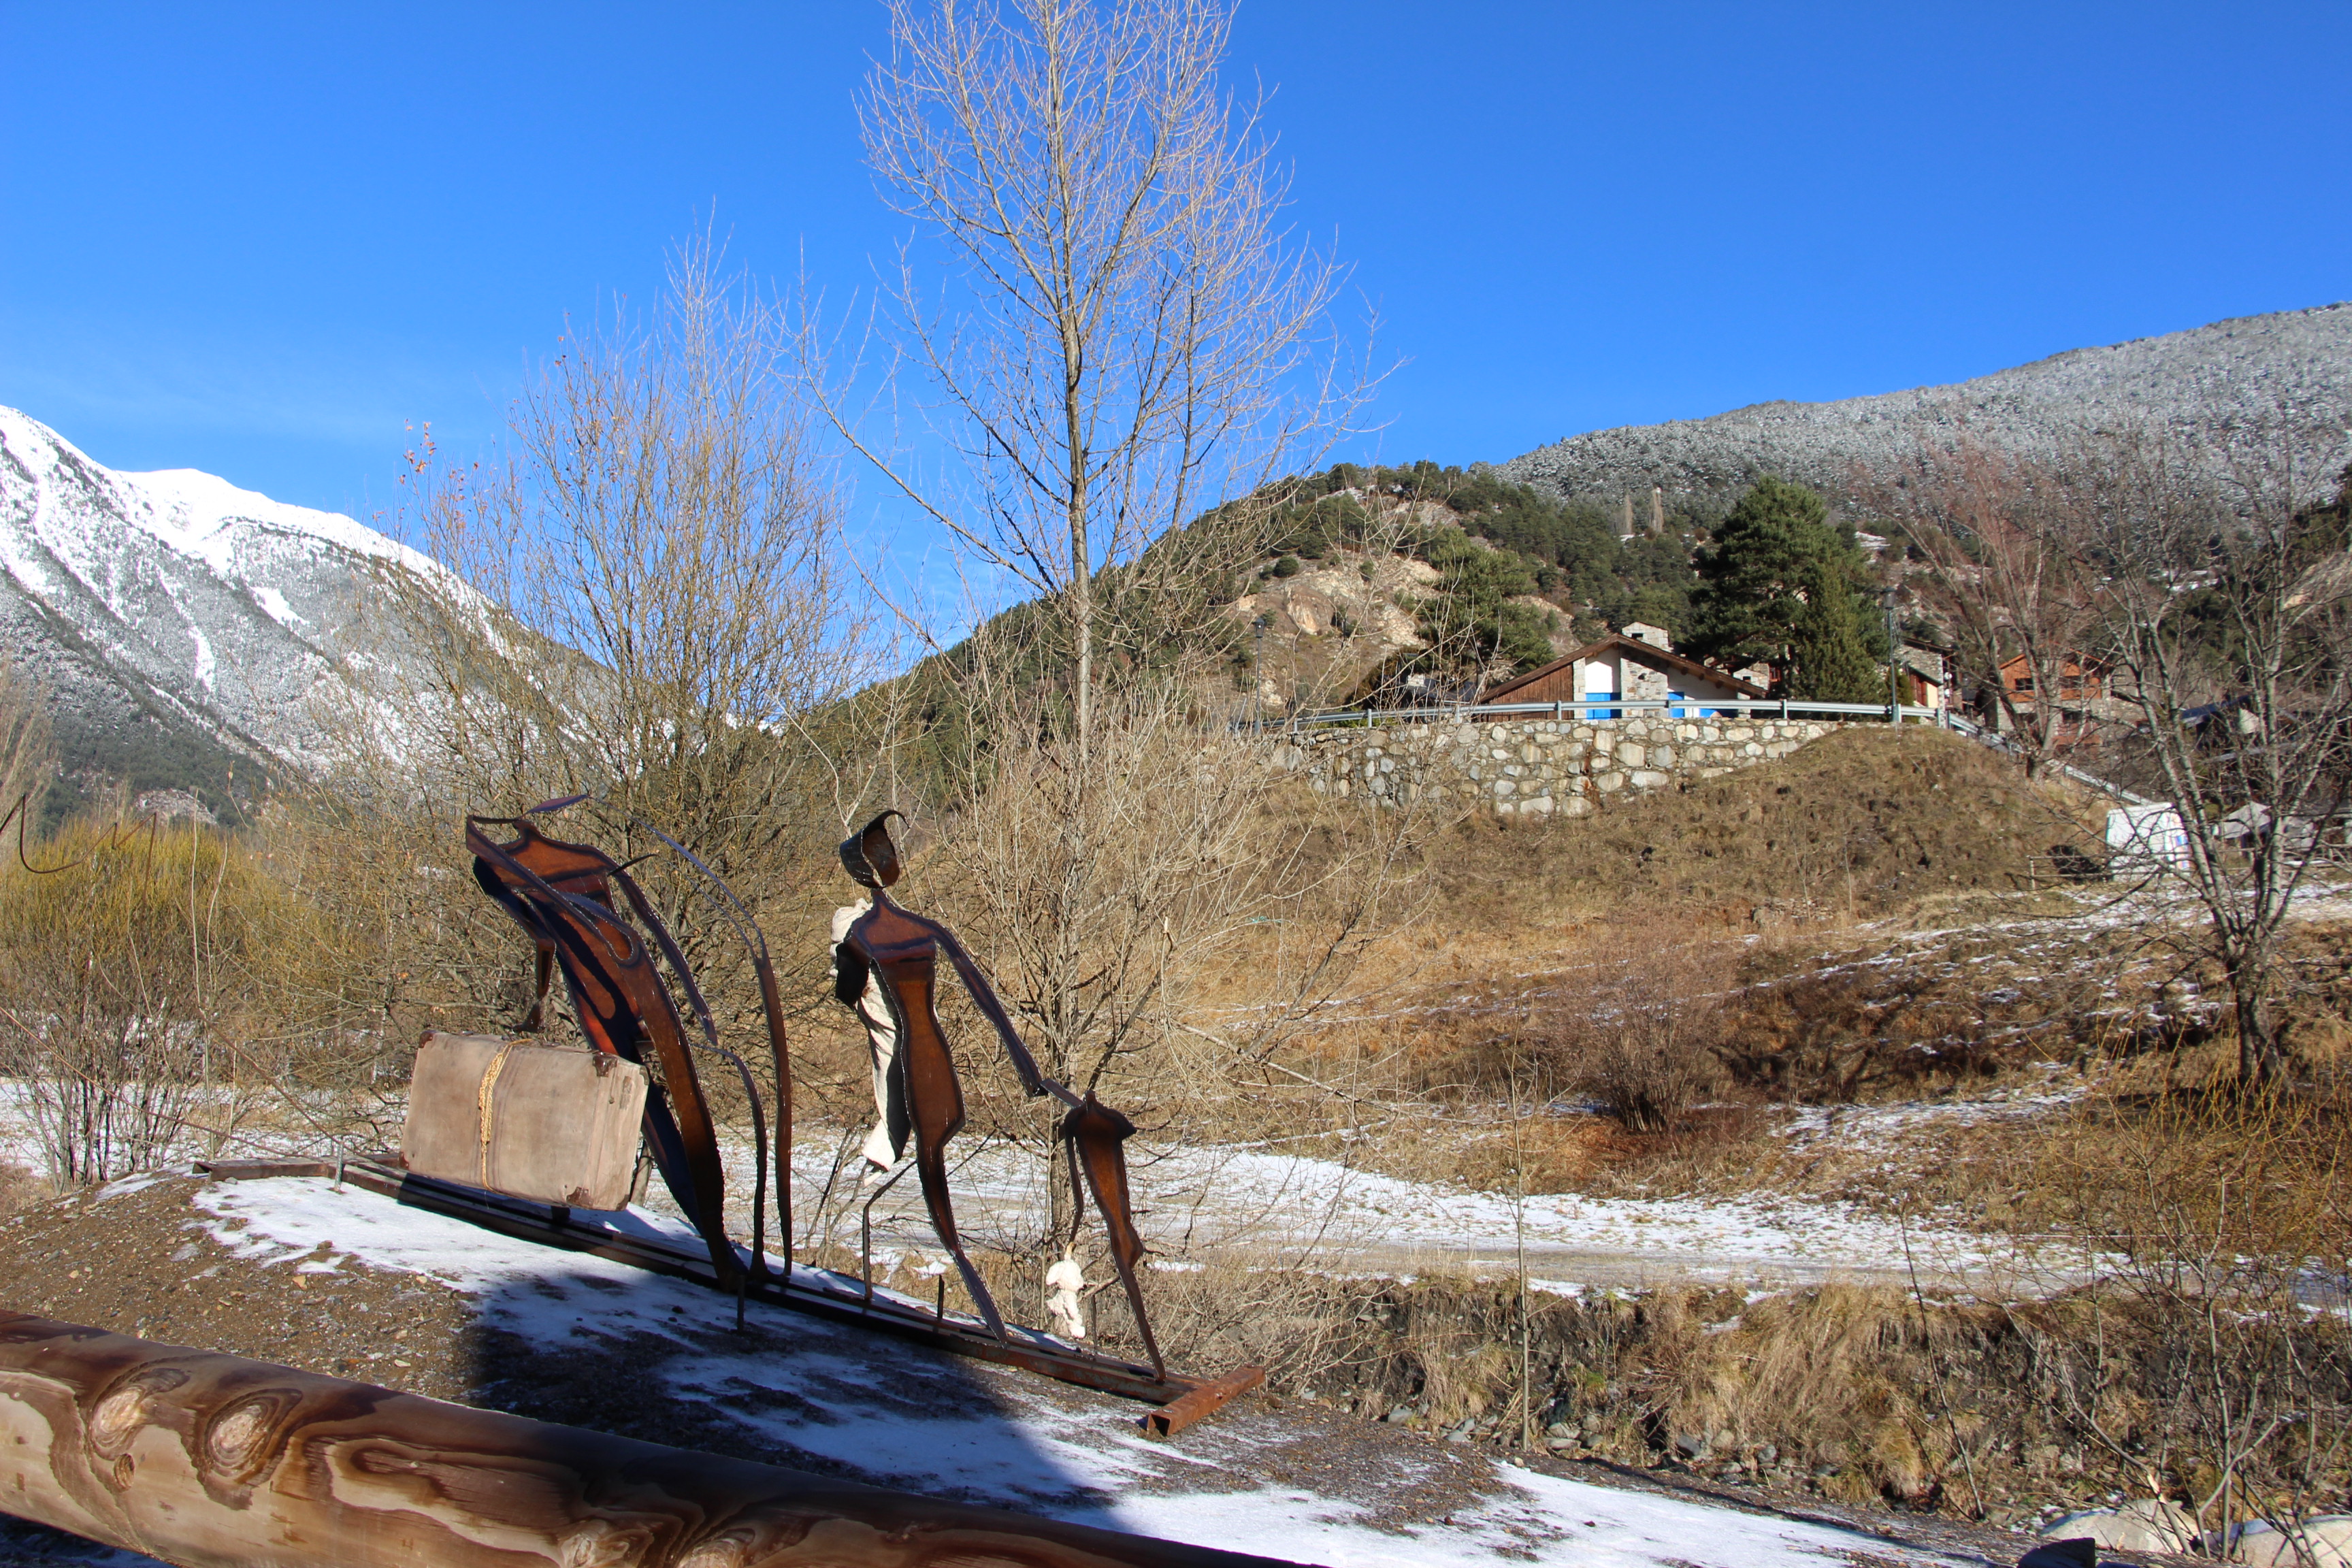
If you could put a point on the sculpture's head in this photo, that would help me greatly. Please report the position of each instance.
(869, 857)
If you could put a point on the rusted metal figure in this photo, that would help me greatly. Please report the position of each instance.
(904, 949)
(564, 895)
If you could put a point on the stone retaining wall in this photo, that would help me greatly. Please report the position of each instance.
(1540, 766)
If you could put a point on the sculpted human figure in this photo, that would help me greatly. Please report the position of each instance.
(922, 1096)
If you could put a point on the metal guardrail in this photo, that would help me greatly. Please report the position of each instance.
(1604, 709)
(1977, 731)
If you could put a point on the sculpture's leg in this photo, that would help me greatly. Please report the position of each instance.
(1095, 1135)
(932, 1171)
(669, 1149)
(934, 1100)
(532, 1021)
(772, 1009)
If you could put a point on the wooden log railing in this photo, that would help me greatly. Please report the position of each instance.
(214, 1461)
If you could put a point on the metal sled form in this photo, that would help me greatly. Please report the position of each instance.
(626, 978)
(822, 1293)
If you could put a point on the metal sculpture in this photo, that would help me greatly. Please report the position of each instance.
(564, 895)
(590, 921)
(926, 1097)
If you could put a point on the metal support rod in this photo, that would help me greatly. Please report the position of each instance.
(866, 1229)
(1893, 660)
(214, 1461)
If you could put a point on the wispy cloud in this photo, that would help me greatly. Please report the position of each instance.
(348, 392)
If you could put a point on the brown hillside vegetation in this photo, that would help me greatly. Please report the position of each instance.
(1863, 821)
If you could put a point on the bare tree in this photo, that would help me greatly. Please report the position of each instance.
(1114, 936)
(2228, 603)
(1118, 333)
(1123, 347)
(645, 603)
(2002, 576)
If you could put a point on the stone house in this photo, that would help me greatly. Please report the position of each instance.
(1931, 672)
(1621, 665)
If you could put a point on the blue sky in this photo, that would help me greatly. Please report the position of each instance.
(259, 238)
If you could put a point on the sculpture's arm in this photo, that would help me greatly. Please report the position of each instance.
(850, 969)
(1035, 1082)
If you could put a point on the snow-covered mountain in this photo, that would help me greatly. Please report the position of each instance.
(182, 627)
(2257, 378)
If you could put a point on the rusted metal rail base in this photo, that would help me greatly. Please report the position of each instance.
(834, 1297)
(214, 1461)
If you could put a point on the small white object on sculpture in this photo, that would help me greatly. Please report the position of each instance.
(881, 1044)
(1063, 1283)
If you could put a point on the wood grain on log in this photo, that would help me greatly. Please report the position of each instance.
(214, 1461)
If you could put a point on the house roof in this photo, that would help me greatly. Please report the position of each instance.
(2068, 664)
(1926, 661)
(1650, 653)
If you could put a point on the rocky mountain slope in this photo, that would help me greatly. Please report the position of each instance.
(2258, 377)
(180, 626)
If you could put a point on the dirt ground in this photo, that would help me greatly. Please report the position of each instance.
(144, 1261)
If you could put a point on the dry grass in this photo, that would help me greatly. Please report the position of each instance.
(147, 975)
(1859, 824)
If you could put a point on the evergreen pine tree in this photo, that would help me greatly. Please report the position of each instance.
(1777, 574)
(1828, 650)
(1752, 579)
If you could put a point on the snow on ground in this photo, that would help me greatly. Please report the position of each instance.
(1264, 1206)
(1309, 1212)
(1818, 1128)
(1246, 1481)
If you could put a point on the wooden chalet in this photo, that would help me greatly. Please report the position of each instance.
(2078, 681)
(1639, 668)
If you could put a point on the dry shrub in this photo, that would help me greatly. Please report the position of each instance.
(1856, 1393)
(1940, 1010)
(136, 983)
(1643, 1042)
(2220, 1222)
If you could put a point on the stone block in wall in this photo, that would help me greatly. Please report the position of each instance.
(1534, 767)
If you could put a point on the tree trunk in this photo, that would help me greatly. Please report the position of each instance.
(213, 1461)
(2262, 1033)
